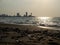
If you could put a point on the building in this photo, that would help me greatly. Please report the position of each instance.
(26, 13)
(18, 14)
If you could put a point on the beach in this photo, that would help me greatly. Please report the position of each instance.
(11, 34)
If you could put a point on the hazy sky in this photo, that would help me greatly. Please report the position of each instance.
(37, 7)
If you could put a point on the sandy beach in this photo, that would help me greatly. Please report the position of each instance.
(11, 34)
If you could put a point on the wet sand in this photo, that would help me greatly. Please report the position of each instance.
(22, 27)
(51, 28)
(11, 34)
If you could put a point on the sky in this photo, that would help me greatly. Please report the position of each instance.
(50, 8)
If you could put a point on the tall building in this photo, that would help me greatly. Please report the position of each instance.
(18, 14)
(30, 15)
(26, 13)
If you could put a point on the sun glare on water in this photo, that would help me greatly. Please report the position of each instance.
(44, 19)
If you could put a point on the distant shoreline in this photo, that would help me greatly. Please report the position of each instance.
(17, 16)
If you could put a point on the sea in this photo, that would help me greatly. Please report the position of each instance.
(38, 21)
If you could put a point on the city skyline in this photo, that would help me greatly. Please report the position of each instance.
(37, 7)
(18, 14)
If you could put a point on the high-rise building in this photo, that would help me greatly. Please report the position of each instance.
(30, 15)
(18, 14)
(26, 13)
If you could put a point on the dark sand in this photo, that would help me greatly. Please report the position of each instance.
(11, 34)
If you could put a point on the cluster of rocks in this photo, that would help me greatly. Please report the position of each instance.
(16, 36)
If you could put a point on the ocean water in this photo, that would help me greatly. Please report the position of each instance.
(31, 20)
